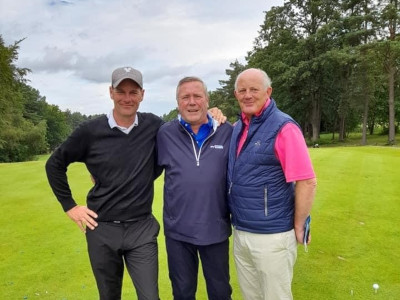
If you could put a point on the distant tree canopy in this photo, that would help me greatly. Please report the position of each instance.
(334, 65)
(28, 124)
(173, 114)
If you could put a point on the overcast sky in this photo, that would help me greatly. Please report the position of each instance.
(72, 46)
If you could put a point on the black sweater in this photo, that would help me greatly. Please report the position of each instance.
(123, 166)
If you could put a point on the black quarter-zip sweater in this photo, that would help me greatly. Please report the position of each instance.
(123, 166)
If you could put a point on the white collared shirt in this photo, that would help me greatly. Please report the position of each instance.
(113, 123)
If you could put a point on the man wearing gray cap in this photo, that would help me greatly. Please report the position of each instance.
(119, 152)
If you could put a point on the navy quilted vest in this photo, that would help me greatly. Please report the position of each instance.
(260, 200)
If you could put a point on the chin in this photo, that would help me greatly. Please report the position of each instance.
(128, 114)
(248, 111)
(192, 117)
(191, 120)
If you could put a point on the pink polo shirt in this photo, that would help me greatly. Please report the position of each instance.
(290, 149)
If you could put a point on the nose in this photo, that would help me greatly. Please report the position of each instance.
(247, 94)
(128, 97)
(191, 101)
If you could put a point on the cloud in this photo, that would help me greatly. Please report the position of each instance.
(72, 46)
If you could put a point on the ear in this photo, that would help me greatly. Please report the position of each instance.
(111, 92)
(269, 91)
(143, 90)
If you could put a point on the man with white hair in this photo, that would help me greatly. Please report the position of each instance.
(271, 185)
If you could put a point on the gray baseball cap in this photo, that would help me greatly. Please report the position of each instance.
(126, 73)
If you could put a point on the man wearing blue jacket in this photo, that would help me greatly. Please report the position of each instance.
(272, 186)
(193, 150)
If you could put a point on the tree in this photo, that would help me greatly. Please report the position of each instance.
(172, 115)
(57, 127)
(357, 29)
(292, 50)
(224, 97)
(28, 124)
(73, 119)
(331, 63)
(390, 50)
(34, 104)
(20, 138)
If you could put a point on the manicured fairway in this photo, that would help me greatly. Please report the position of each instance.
(355, 232)
(355, 226)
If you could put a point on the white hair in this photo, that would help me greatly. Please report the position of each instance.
(266, 80)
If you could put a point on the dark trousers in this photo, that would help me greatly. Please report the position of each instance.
(135, 243)
(183, 264)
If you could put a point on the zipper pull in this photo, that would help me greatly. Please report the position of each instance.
(197, 162)
(230, 187)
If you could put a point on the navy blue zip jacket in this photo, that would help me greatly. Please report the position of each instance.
(195, 203)
(260, 199)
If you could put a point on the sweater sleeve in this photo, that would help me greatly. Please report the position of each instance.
(158, 169)
(72, 150)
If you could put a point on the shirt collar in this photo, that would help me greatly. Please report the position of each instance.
(112, 123)
(204, 130)
(209, 124)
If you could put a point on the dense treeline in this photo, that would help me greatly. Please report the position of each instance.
(28, 124)
(334, 65)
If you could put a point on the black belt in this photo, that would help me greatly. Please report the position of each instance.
(129, 220)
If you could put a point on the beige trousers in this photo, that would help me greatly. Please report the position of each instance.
(264, 264)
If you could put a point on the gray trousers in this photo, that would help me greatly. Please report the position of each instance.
(111, 245)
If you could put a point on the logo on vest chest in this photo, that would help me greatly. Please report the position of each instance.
(217, 147)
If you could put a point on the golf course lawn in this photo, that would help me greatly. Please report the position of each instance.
(355, 232)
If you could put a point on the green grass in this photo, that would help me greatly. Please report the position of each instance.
(355, 232)
(354, 139)
(355, 226)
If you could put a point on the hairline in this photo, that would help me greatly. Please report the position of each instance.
(191, 79)
(266, 80)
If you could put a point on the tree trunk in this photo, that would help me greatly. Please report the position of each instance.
(391, 75)
(391, 69)
(315, 119)
(371, 127)
(333, 129)
(342, 129)
(365, 120)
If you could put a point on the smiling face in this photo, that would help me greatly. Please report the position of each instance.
(127, 97)
(193, 103)
(252, 89)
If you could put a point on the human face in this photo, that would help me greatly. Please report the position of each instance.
(251, 92)
(193, 104)
(127, 97)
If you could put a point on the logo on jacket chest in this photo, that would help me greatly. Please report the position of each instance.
(221, 147)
